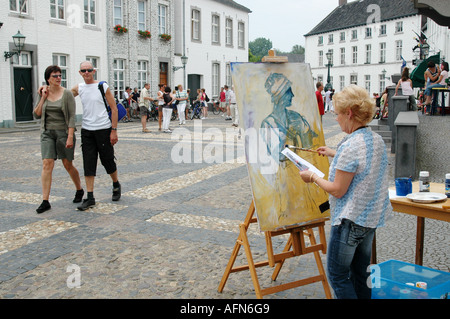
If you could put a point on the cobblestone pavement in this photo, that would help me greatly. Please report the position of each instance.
(171, 234)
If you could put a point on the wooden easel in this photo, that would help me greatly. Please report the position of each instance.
(295, 246)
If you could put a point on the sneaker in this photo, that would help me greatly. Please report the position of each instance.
(45, 206)
(228, 119)
(116, 193)
(87, 203)
(167, 131)
(78, 196)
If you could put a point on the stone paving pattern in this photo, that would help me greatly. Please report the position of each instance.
(171, 234)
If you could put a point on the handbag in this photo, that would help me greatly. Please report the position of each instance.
(122, 112)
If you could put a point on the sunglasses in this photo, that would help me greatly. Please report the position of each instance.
(55, 76)
(87, 70)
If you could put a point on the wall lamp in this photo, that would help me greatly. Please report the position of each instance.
(184, 60)
(19, 42)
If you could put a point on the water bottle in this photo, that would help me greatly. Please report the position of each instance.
(424, 181)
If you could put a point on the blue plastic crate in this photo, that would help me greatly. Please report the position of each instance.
(390, 281)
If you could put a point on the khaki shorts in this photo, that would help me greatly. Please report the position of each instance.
(143, 110)
(53, 145)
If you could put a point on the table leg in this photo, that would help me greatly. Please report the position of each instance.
(419, 240)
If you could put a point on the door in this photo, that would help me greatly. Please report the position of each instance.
(163, 74)
(23, 94)
(193, 85)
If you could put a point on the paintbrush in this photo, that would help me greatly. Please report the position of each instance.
(302, 149)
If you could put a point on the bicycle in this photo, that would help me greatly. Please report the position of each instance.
(196, 111)
(217, 109)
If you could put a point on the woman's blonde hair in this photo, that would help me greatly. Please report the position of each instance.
(358, 100)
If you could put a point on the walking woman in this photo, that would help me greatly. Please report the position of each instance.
(359, 196)
(56, 109)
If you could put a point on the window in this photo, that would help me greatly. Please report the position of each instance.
(342, 56)
(119, 77)
(398, 50)
(57, 9)
(24, 60)
(320, 58)
(341, 82)
(368, 32)
(241, 35)
(331, 61)
(383, 29)
(354, 55)
(118, 14)
(95, 64)
(141, 17)
(320, 40)
(228, 75)
(382, 82)
(61, 61)
(229, 32)
(89, 12)
(215, 32)
(354, 79)
(399, 27)
(382, 52)
(18, 6)
(196, 20)
(367, 82)
(320, 78)
(330, 39)
(342, 37)
(162, 17)
(142, 73)
(368, 53)
(354, 34)
(215, 79)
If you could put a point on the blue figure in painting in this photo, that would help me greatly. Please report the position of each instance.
(289, 126)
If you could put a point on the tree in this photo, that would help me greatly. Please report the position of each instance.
(260, 47)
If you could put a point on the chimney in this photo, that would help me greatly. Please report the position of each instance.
(342, 2)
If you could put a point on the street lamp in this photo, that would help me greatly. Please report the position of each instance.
(184, 60)
(19, 42)
(424, 51)
(328, 86)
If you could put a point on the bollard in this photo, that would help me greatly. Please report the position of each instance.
(399, 104)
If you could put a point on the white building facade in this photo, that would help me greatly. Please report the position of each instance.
(368, 41)
(211, 34)
(56, 33)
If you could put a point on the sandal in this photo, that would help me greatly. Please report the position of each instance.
(146, 131)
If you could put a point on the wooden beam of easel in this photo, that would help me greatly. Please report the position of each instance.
(273, 58)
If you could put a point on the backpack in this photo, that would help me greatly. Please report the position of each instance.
(206, 98)
(121, 111)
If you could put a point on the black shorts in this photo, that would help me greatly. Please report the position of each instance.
(93, 145)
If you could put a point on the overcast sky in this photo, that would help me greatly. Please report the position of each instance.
(285, 22)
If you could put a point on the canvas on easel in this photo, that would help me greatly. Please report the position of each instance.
(277, 107)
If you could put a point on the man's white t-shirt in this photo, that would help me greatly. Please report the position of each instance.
(95, 116)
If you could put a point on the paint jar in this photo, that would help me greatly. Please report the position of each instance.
(424, 181)
(447, 185)
(403, 186)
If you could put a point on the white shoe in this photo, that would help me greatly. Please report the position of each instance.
(167, 131)
(202, 118)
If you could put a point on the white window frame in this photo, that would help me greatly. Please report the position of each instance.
(398, 50)
(118, 12)
(354, 79)
(355, 55)
(368, 53)
(215, 77)
(21, 6)
(382, 52)
(60, 9)
(320, 40)
(62, 60)
(196, 22)
(119, 77)
(368, 32)
(367, 82)
(215, 29)
(229, 32)
(142, 15)
(142, 69)
(342, 37)
(330, 38)
(355, 34)
(382, 82)
(241, 35)
(228, 79)
(399, 27)
(90, 16)
(383, 29)
(24, 60)
(321, 58)
(162, 19)
(342, 56)
(341, 82)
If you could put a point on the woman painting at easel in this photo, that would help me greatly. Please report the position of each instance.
(359, 198)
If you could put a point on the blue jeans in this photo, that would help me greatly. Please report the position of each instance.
(348, 259)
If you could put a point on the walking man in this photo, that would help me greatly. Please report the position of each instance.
(98, 133)
(144, 106)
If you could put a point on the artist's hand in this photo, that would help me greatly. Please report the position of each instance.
(307, 176)
(114, 138)
(326, 151)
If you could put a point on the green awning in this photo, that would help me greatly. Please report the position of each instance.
(417, 77)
